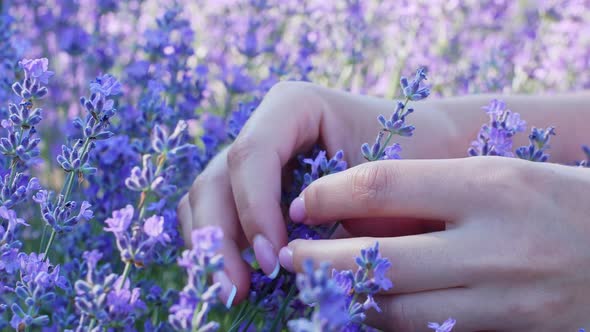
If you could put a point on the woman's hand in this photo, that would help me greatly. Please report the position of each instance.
(515, 255)
(240, 189)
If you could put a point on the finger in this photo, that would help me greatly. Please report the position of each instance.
(444, 190)
(418, 262)
(212, 204)
(472, 309)
(185, 219)
(276, 131)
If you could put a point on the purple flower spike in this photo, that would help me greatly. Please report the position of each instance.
(120, 221)
(107, 85)
(37, 69)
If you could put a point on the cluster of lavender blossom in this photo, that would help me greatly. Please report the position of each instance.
(89, 238)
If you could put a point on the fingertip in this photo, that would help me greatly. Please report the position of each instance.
(266, 256)
(228, 290)
(235, 289)
(286, 259)
(297, 211)
(292, 254)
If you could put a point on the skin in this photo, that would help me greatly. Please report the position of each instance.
(498, 243)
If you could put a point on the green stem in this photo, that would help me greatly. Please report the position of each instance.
(124, 275)
(390, 135)
(281, 312)
(241, 312)
(12, 172)
(248, 311)
(43, 238)
(199, 307)
(71, 176)
(155, 316)
(67, 191)
(49, 243)
(92, 322)
(236, 325)
(67, 188)
(251, 319)
(145, 195)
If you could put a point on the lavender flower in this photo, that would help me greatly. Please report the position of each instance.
(191, 311)
(539, 143)
(239, 117)
(413, 90)
(396, 124)
(495, 138)
(9, 243)
(446, 326)
(61, 215)
(586, 162)
(36, 70)
(317, 289)
(138, 241)
(21, 146)
(335, 299)
(104, 299)
(320, 166)
(38, 283)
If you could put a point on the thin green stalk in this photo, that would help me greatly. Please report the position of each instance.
(281, 312)
(49, 243)
(248, 314)
(247, 311)
(199, 307)
(124, 275)
(155, 316)
(12, 172)
(42, 238)
(241, 312)
(251, 319)
(66, 192)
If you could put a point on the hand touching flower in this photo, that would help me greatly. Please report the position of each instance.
(515, 250)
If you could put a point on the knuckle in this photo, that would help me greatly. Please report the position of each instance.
(371, 183)
(240, 151)
(193, 192)
(289, 88)
(202, 184)
(251, 225)
(282, 87)
(507, 180)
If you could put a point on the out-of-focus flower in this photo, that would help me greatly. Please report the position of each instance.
(446, 326)
(37, 69)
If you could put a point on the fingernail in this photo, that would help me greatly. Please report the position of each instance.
(266, 257)
(297, 210)
(286, 258)
(228, 290)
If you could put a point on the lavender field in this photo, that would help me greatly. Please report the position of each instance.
(110, 109)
